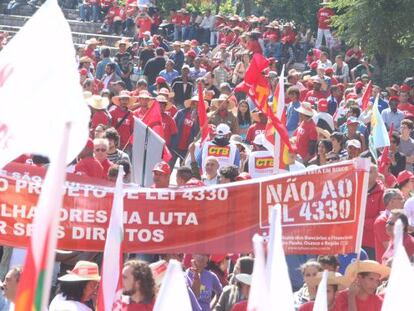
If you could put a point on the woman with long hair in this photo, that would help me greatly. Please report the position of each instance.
(244, 118)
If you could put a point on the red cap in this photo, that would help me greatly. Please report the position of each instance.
(323, 105)
(217, 258)
(341, 86)
(191, 53)
(329, 70)
(359, 85)
(404, 176)
(160, 80)
(273, 37)
(405, 88)
(89, 144)
(162, 167)
(313, 65)
(83, 72)
(194, 42)
(392, 98)
(243, 176)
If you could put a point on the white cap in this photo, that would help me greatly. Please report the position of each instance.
(354, 143)
(222, 129)
(259, 139)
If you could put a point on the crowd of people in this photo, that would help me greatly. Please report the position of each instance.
(163, 65)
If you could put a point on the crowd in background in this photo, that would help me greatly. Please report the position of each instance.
(161, 61)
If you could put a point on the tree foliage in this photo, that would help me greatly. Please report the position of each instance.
(383, 28)
(299, 11)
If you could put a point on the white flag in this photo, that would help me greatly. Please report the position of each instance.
(146, 152)
(110, 289)
(280, 289)
(321, 301)
(258, 288)
(398, 292)
(40, 89)
(173, 294)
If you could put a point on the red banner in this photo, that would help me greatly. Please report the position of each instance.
(321, 210)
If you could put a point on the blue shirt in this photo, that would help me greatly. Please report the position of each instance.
(292, 116)
(346, 259)
(100, 68)
(382, 104)
(169, 75)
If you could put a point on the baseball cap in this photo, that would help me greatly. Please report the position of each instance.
(405, 88)
(329, 70)
(222, 129)
(185, 67)
(191, 53)
(404, 176)
(354, 143)
(162, 167)
(359, 85)
(160, 80)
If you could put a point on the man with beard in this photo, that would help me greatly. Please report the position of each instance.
(221, 148)
(138, 285)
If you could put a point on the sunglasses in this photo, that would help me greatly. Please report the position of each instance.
(100, 149)
(390, 223)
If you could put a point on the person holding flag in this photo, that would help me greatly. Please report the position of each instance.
(305, 136)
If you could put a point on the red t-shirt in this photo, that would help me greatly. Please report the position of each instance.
(309, 307)
(372, 303)
(171, 111)
(176, 19)
(313, 97)
(138, 307)
(106, 164)
(316, 55)
(324, 17)
(254, 130)
(380, 235)
(185, 20)
(140, 112)
(186, 131)
(100, 117)
(169, 127)
(144, 24)
(91, 167)
(304, 134)
(240, 306)
(125, 130)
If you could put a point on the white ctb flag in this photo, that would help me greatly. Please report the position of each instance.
(40, 89)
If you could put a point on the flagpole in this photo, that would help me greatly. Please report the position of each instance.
(144, 162)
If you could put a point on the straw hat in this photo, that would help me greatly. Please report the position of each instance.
(92, 41)
(98, 102)
(85, 59)
(306, 109)
(123, 41)
(366, 266)
(237, 140)
(144, 95)
(83, 271)
(123, 94)
(334, 278)
(216, 101)
(187, 102)
(165, 92)
(161, 99)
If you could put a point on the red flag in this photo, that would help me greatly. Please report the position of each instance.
(254, 71)
(202, 115)
(366, 96)
(153, 118)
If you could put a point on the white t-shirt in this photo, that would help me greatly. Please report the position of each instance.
(59, 303)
